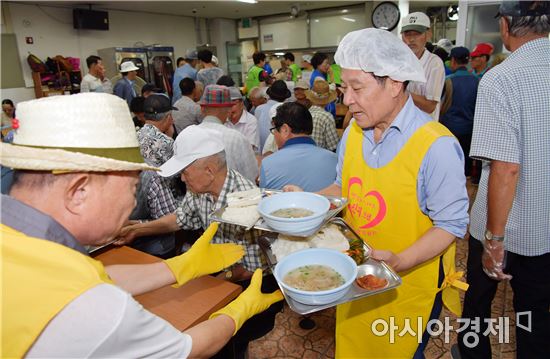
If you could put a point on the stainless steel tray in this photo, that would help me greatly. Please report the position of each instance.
(369, 266)
(337, 204)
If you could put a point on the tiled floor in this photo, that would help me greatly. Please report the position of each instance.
(288, 340)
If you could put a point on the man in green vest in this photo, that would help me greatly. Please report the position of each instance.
(296, 71)
(253, 76)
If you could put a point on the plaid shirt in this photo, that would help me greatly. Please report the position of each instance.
(324, 128)
(511, 125)
(155, 146)
(162, 196)
(195, 209)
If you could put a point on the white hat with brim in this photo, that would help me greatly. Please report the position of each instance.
(128, 66)
(91, 132)
(193, 143)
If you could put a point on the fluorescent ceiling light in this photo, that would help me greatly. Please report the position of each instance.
(345, 11)
(249, 1)
(348, 19)
(279, 53)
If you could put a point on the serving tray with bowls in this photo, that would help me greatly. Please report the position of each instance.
(353, 292)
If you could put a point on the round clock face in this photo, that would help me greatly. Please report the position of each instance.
(386, 16)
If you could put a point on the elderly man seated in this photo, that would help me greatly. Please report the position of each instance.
(199, 154)
(76, 190)
(216, 107)
(242, 120)
(155, 137)
(298, 161)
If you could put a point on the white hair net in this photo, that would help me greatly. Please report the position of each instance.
(379, 52)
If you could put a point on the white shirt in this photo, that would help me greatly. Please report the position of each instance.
(270, 145)
(238, 152)
(91, 83)
(105, 321)
(248, 126)
(434, 70)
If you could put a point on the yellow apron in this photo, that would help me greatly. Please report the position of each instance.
(383, 209)
(39, 278)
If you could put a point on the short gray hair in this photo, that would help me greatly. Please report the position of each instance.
(520, 26)
(156, 116)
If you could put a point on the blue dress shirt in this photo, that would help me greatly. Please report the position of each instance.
(299, 162)
(441, 184)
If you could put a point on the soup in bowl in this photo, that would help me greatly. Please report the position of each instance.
(294, 213)
(316, 276)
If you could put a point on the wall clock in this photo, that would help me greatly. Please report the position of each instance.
(386, 16)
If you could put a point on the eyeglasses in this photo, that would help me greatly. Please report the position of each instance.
(273, 129)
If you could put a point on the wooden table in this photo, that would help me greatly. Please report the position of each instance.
(182, 307)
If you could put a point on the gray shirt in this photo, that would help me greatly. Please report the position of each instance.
(188, 113)
(33, 223)
(239, 154)
(511, 125)
(209, 76)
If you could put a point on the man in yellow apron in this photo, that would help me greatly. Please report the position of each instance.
(403, 176)
(77, 164)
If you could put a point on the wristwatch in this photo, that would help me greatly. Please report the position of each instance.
(491, 237)
(228, 274)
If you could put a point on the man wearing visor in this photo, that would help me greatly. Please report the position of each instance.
(403, 175)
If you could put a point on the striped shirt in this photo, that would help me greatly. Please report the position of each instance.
(194, 213)
(434, 70)
(324, 128)
(511, 125)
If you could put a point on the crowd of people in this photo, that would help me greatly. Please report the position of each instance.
(140, 166)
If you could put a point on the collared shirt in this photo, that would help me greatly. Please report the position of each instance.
(188, 113)
(90, 83)
(194, 213)
(441, 184)
(34, 223)
(155, 146)
(299, 162)
(264, 120)
(434, 70)
(480, 74)
(238, 152)
(181, 73)
(511, 125)
(209, 76)
(459, 118)
(324, 128)
(248, 126)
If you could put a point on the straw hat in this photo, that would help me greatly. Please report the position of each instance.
(321, 94)
(90, 132)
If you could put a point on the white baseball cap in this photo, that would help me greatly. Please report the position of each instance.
(128, 66)
(416, 21)
(307, 58)
(193, 143)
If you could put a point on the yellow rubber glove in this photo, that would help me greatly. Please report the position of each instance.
(251, 302)
(204, 258)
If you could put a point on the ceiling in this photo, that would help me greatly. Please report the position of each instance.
(208, 9)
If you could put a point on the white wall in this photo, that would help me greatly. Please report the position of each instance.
(53, 34)
(222, 31)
